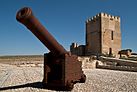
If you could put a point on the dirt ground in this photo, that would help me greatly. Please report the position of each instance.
(27, 77)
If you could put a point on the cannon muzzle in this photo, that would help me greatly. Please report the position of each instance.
(26, 17)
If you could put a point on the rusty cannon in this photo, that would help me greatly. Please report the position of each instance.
(61, 69)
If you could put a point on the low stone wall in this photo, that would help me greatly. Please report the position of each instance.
(117, 64)
(108, 63)
(88, 62)
(120, 68)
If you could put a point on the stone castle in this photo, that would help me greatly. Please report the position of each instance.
(103, 36)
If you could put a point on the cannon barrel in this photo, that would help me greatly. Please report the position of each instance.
(26, 17)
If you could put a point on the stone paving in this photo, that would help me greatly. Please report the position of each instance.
(28, 79)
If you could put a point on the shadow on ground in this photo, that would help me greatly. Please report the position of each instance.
(38, 85)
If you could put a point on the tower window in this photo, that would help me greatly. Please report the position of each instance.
(112, 35)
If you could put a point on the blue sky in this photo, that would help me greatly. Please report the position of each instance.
(65, 20)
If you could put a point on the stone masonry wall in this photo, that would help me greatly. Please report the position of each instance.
(103, 34)
(111, 35)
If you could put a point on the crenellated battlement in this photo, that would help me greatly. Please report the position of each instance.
(104, 15)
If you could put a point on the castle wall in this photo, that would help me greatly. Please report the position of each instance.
(93, 36)
(111, 35)
(77, 49)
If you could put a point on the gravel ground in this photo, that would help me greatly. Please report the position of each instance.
(28, 79)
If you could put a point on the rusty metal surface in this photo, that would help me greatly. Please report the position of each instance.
(62, 72)
(26, 17)
(61, 69)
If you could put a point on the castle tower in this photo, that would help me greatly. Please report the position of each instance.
(103, 35)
